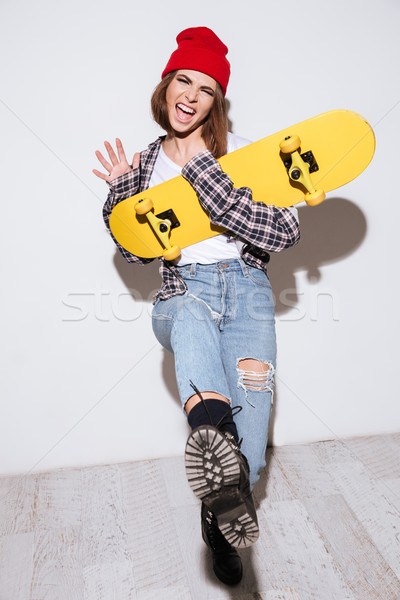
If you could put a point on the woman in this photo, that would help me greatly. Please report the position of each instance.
(215, 310)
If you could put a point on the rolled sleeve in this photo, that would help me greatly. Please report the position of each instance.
(125, 185)
(198, 166)
(267, 227)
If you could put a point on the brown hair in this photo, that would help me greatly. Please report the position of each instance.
(215, 128)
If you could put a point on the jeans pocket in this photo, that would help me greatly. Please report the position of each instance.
(259, 277)
(158, 314)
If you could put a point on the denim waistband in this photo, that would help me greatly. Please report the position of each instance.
(236, 264)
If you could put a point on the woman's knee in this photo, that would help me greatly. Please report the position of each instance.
(255, 374)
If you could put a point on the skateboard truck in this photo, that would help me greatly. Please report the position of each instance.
(161, 225)
(300, 167)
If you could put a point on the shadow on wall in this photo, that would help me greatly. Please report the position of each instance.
(329, 233)
(143, 281)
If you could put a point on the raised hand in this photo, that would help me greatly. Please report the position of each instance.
(119, 165)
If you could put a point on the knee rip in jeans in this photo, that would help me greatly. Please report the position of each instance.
(255, 375)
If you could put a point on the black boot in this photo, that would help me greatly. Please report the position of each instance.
(218, 474)
(226, 561)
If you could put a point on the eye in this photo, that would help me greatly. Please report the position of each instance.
(182, 80)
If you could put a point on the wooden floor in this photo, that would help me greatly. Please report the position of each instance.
(329, 519)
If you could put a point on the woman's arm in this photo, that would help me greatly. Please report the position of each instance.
(269, 228)
(123, 181)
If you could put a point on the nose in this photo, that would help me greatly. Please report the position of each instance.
(192, 95)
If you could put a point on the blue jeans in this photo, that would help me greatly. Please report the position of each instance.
(226, 315)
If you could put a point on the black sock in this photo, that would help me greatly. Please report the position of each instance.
(218, 413)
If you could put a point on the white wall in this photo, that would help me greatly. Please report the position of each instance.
(83, 379)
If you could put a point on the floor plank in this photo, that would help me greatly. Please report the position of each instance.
(16, 566)
(151, 532)
(364, 569)
(290, 531)
(17, 504)
(380, 454)
(57, 565)
(106, 562)
(372, 499)
(302, 472)
(329, 517)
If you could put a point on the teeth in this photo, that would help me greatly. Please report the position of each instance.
(186, 109)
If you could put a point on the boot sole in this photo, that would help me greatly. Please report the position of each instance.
(213, 473)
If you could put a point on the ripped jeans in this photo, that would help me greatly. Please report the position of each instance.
(226, 316)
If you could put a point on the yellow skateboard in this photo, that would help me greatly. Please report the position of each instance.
(299, 163)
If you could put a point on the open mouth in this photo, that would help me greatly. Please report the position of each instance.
(184, 113)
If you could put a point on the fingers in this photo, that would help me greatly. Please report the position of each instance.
(119, 165)
(103, 161)
(136, 160)
(111, 153)
(101, 175)
(120, 150)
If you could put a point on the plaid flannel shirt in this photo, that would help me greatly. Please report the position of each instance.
(262, 228)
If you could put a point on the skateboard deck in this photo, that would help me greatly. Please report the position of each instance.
(299, 163)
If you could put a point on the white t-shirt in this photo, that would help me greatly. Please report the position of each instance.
(219, 247)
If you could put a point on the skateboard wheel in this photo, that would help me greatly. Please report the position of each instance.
(172, 253)
(143, 206)
(314, 198)
(290, 145)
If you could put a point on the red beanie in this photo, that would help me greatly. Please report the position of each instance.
(199, 49)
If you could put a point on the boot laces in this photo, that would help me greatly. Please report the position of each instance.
(226, 419)
(214, 534)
